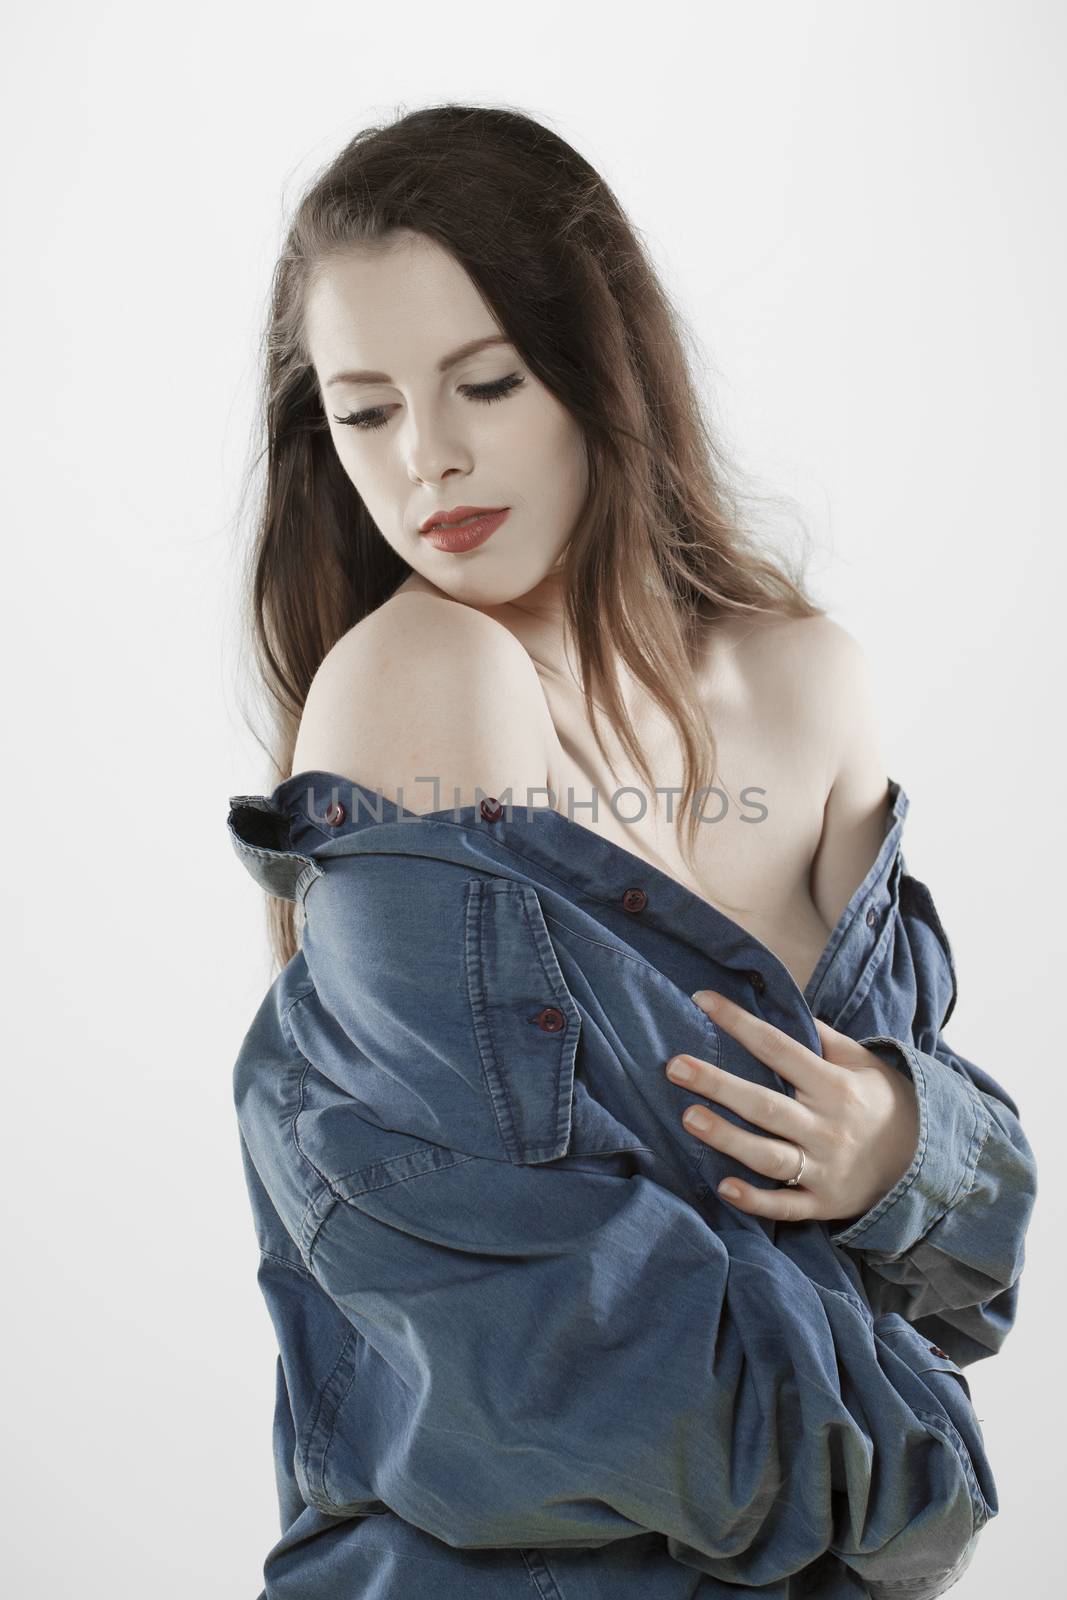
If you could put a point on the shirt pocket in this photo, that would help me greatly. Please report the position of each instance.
(946, 1405)
(529, 1027)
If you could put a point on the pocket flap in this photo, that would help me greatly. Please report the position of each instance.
(920, 1353)
(528, 1026)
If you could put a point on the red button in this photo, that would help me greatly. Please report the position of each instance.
(335, 813)
(551, 1019)
(939, 1352)
(491, 809)
(635, 900)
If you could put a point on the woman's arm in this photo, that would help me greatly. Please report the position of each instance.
(945, 1247)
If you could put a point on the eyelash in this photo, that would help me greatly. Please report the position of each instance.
(486, 393)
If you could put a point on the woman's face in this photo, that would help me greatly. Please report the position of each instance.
(415, 440)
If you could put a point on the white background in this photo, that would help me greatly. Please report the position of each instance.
(860, 209)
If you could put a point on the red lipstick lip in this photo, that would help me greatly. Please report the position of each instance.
(457, 514)
(466, 536)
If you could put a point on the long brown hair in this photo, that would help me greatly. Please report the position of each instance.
(661, 547)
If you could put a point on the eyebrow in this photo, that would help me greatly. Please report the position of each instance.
(469, 349)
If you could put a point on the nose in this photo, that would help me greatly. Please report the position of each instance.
(435, 454)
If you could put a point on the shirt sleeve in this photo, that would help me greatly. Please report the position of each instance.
(550, 1349)
(945, 1247)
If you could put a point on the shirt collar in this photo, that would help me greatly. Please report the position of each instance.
(315, 815)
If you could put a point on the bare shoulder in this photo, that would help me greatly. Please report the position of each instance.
(833, 683)
(429, 700)
(780, 647)
(807, 678)
(812, 689)
(808, 687)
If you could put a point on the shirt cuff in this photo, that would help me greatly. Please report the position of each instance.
(954, 1124)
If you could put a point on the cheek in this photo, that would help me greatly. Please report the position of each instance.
(572, 466)
(368, 472)
(553, 448)
(374, 480)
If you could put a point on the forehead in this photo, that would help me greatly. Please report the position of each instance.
(395, 307)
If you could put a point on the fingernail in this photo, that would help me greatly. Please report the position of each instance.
(705, 998)
(729, 1191)
(680, 1071)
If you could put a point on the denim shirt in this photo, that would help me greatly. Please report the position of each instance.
(524, 1348)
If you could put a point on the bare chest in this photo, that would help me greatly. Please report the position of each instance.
(760, 821)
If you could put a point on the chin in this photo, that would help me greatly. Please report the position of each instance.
(490, 583)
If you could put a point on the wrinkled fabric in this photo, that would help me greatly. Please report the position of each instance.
(524, 1348)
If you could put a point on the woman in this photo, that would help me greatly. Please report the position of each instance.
(494, 504)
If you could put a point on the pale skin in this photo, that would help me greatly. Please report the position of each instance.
(465, 673)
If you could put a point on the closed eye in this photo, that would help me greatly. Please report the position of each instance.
(486, 393)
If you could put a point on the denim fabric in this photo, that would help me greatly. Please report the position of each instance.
(524, 1347)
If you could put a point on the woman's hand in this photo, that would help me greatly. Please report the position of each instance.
(855, 1118)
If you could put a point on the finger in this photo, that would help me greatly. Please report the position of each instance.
(767, 1109)
(839, 1048)
(780, 1051)
(774, 1158)
(781, 1205)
